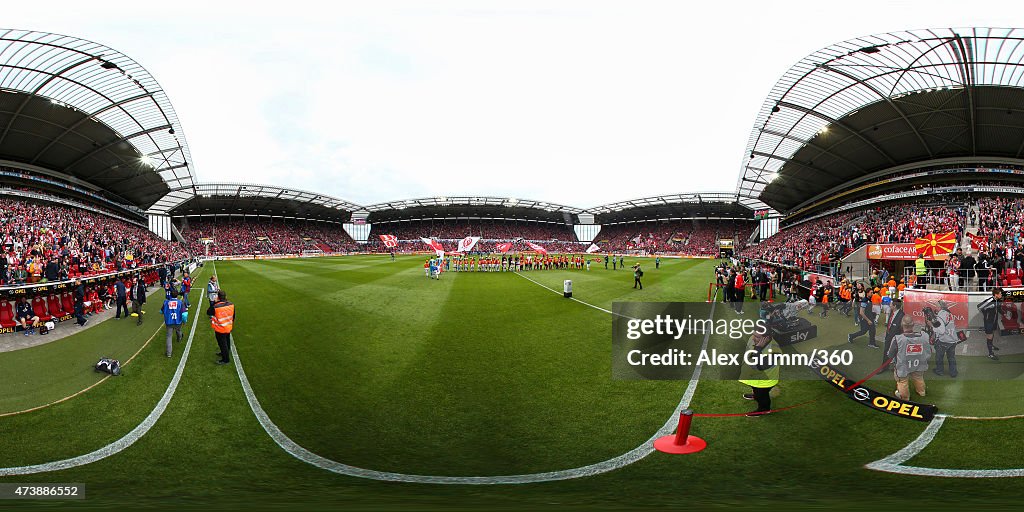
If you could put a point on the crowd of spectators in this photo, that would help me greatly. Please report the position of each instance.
(485, 229)
(1001, 219)
(553, 237)
(821, 241)
(49, 242)
(693, 237)
(234, 236)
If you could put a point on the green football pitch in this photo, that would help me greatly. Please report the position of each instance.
(365, 361)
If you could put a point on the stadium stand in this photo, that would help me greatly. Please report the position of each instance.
(695, 238)
(553, 237)
(51, 242)
(233, 236)
(1001, 220)
(485, 229)
(811, 244)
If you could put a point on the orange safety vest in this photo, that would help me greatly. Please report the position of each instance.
(223, 318)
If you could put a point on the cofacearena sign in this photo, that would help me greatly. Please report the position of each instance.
(896, 252)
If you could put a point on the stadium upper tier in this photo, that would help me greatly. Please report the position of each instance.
(877, 105)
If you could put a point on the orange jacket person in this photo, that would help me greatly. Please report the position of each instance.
(222, 319)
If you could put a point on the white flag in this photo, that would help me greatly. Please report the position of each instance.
(467, 244)
(593, 248)
(435, 245)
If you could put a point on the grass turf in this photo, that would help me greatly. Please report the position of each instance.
(368, 362)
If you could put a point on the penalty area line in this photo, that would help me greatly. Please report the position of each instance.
(634, 455)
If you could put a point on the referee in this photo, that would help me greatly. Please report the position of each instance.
(990, 313)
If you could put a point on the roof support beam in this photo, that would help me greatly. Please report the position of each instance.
(116, 142)
(83, 120)
(967, 76)
(887, 99)
(842, 125)
(787, 178)
(35, 92)
(815, 146)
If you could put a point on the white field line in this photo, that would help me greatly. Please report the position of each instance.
(293, 448)
(131, 437)
(570, 298)
(894, 463)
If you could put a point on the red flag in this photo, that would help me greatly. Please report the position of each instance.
(978, 243)
(537, 248)
(933, 245)
(390, 241)
(504, 247)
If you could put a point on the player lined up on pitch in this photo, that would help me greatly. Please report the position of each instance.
(433, 267)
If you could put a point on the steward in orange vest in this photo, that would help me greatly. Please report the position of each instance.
(222, 319)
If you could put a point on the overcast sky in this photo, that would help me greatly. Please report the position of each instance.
(581, 103)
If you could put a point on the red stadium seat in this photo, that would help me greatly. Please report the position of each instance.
(55, 308)
(68, 301)
(6, 314)
(39, 307)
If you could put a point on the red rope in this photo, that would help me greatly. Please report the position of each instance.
(819, 397)
(872, 374)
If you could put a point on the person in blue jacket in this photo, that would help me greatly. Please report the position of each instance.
(173, 310)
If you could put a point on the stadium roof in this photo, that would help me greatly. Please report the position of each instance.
(884, 101)
(674, 206)
(90, 114)
(472, 207)
(250, 198)
(444, 201)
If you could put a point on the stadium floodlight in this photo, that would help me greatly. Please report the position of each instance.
(147, 161)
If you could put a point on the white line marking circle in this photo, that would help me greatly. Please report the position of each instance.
(297, 451)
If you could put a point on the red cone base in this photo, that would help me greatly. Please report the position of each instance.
(668, 444)
(681, 442)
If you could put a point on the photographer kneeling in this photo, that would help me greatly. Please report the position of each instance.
(910, 352)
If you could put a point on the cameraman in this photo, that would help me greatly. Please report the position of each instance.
(944, 331)
(990, 313)
(761, 377)
(910, 352)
